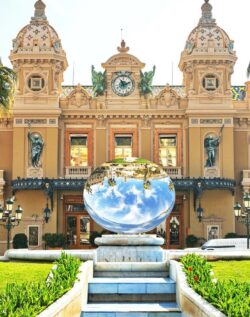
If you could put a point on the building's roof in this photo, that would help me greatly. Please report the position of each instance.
(238, 92)
(37, 33)
(208, 34)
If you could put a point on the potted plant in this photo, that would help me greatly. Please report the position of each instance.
(54, 241)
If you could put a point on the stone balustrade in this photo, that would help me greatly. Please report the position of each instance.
(2, 183)
(77, 171)
(246, 180)
(173, 171)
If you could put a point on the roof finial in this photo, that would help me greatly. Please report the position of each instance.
(39, 11)
(121, 34)
(123, 48)
(207, 16)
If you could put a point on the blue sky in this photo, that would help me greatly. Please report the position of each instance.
(155, 31)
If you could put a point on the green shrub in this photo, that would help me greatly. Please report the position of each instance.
(29, 299)
(230, 235)
(191, 240)
(54, 240)
(226, 296)
(20, 241)
(93, 235)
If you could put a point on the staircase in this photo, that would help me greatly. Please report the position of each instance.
(131, 290)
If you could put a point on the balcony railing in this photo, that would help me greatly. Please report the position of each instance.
(173, 171)
(246, 180)
(77, 171)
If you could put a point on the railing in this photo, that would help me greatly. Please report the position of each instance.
(246, 180)
(77, 171)
(173, 171)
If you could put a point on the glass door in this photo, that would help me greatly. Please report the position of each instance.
(71, 231)
(84, 222)
(78, 223)
(174, 227)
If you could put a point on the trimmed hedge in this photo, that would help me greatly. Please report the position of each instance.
(20, 241)
(230, 297)
(30, 299)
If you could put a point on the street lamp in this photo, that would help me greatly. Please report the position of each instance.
(199, 211)
(46, 213)
(7, 219)
(245, 214)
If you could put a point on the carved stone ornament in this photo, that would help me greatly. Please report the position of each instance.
(207, 17)
(146, 120)
(123, 48)
(39, 11)
(101, 120)
(79, 97)
(211, 172)
(167, 97)
(34, 172)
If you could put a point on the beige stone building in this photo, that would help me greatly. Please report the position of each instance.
(56, 135)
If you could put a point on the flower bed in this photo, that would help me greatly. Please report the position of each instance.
(230, 297)
(29, 299)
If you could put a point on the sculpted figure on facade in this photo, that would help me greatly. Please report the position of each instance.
(99, 82)
(146, 82)
(211, 144)
(36, 148)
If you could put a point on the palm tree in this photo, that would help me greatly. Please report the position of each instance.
(248, 71)
(7, 86)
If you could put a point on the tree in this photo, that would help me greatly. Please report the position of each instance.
(248, 71)
(7, 86)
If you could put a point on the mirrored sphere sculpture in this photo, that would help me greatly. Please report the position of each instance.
(129, 195)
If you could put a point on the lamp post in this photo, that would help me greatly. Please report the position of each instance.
(46, 213)
(7, 219)
(199, 211)
(244, 214)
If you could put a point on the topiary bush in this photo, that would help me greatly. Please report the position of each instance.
(230, 235)
(20, 241)
(191, 240)
(226, 296)
(54, 240)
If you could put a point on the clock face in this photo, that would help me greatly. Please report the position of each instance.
(123, 84)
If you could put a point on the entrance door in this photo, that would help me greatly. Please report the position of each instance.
(174, 226)
(78, 224)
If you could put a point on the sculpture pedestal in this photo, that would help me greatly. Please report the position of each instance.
(129, 248)
(211, 172)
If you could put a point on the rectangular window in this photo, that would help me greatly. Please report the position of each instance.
(168, 150)
(33, 232)
(123, 146)
(78, 150)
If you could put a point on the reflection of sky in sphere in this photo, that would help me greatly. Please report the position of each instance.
(127, 206)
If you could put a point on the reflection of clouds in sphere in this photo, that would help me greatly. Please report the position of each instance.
(122, 203)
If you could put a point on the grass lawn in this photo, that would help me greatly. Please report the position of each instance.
(225, 270)
(22, 272)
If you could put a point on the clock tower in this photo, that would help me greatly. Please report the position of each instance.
(122, 79)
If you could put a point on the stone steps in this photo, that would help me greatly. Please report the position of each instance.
(132, 298)
(131, 269)
(132, 310)
(131, 290)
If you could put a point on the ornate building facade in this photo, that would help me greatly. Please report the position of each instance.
(56, 135)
